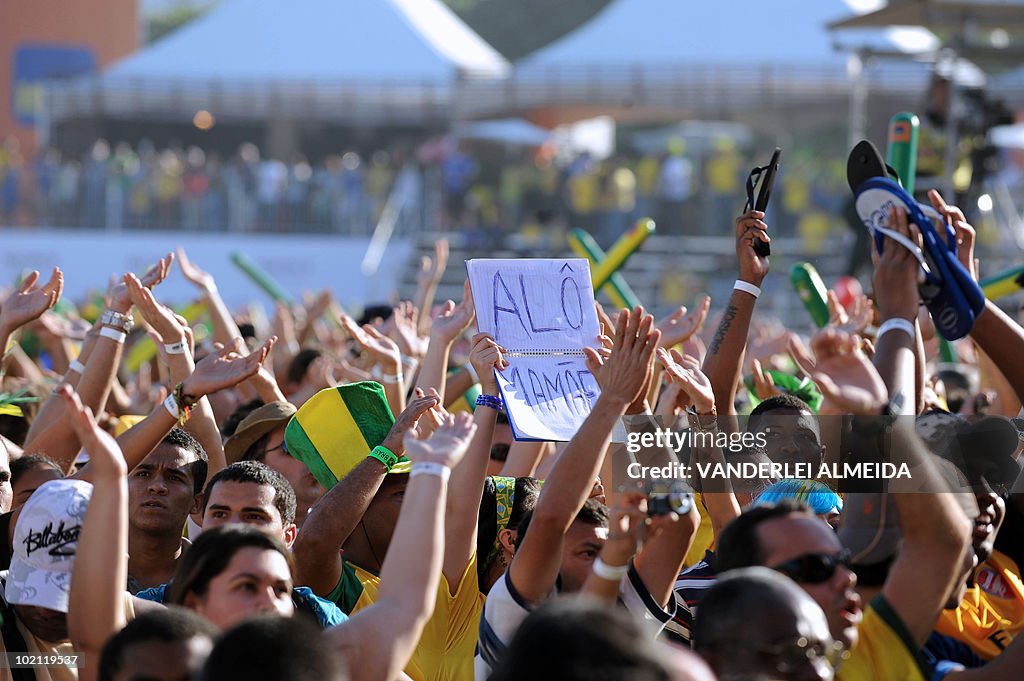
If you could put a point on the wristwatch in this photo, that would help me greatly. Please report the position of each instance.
(707, 423)
(869, 426)
(116, 320)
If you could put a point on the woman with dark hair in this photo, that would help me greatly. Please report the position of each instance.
(234, 572)
(504, 504)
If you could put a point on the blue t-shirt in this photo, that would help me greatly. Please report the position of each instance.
(327, 614)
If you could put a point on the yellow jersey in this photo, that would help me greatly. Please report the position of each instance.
(992, 611)
(448, 643)
(885, 651)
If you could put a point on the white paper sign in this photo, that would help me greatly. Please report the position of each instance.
(542, 312)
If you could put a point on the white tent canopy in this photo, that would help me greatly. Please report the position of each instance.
(364, 61)
(749, 32)
(318, 39)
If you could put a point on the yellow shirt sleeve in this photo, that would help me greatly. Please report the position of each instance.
(885, 651)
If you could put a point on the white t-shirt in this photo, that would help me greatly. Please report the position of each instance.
(505, 610)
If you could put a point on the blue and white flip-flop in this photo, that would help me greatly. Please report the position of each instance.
(946, 287)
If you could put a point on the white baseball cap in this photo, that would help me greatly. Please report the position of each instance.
(45, 543)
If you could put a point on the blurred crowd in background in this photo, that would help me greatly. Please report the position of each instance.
(535, 193)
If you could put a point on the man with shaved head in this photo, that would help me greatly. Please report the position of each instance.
(757, 623)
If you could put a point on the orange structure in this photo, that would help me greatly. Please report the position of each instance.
(56, 37)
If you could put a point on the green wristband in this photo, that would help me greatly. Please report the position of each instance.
(384, 455)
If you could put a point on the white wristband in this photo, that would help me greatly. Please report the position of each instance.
(609, 572)
(76, 366)
(747, 287)
(430, 468)
(897, 324)
(113, 334)
(472, 372)
(175, 348)
(171, 405)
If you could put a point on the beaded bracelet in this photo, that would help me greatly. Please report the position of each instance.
(184, 402)
(491, 401)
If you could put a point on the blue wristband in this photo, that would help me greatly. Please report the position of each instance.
(491, 401)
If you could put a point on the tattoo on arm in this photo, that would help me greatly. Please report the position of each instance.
(723, 328)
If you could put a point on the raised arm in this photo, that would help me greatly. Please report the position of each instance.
(622, 377)
(175, 346)
(627, 518)
(387, 357)
(524, 456)
(447, 326)
(430, 275)
(378, 642)
(934, 529)
(724, 360)
(100, 571)
(57, 441)
(224, 328)
(935, 533)
(216, 372)
(332, 519)
(467, 483)
(669, 538)
(28, 302)
(52, 408)
(895, 285)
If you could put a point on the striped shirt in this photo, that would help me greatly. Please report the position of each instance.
(505, 609)
(690, 586)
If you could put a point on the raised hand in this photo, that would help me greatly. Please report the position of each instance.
(105, 457)
(606, 323)
(764, 383)
(29, 301)
(626, 523)
(694, 387)
(118, 298)
(845, 375)
(436, 415)
(801, 354)
(203, 280)
(487, 357)
(629, 366)
(751, 226)
(854, 320)
(768, 340)
(453, 319)
(446, 445)
(407, 420)
(679, 327)
(965, 233)
(348, 373)
(380, 347)
(432, 270)
(163, 321)
(225, 368)
(896, 272)
(402, 329)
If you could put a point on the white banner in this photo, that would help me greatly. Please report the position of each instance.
(542, 312)
(297, 263)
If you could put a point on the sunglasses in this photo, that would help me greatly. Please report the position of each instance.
(791, 657)
(813, 568)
